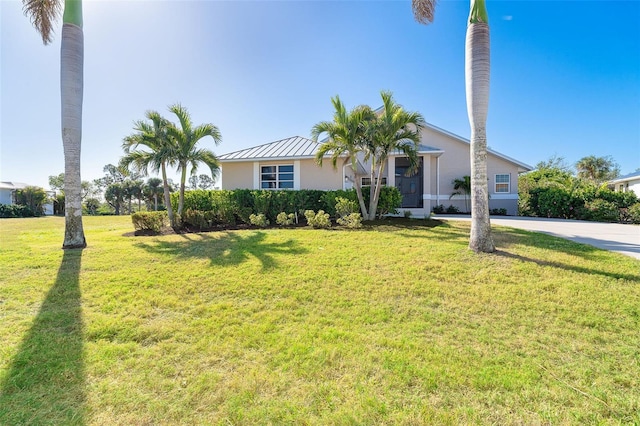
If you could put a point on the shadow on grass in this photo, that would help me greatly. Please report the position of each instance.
(45, 383)
(226, 248)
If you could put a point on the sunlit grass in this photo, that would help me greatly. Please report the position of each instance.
(393, 324)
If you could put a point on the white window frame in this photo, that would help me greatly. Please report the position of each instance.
(496, 183)
(277, 173)
(362, 181)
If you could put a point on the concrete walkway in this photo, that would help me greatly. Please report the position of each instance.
(617, 237)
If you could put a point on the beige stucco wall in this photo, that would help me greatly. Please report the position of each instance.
(308, 175)
(237, 175)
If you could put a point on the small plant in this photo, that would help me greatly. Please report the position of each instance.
(319, 220)
(407, 214)
(259, 220)
(498, 212)
(634, 213)
(452, 209)
(352, 221)
(149, 221)
(439, 209)
(284, 219)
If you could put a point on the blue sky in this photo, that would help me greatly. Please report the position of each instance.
(565, 74)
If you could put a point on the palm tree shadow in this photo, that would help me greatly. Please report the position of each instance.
(227, 248)
(45, 383)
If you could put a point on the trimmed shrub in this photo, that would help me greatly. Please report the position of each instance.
(15, 210)
(284, 219)
(634, 213)
(149, 221)
(600, 210)
(319, 220)
(439, 209)
(352, 221)
(259, 220)
(498, 212)
(452, 209)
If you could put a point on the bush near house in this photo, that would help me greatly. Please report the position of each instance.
(149, 222)
(205, 209)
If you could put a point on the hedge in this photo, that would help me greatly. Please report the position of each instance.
(207, 208)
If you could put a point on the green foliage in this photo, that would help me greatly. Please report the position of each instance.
(149, 221)
(15, 210)
(452, 209)
(91, 206)
(347, 213)
(498, 212)
(284, 219)
(600, 210)
(317, 220)
(439, 209)
(390, 200)
(634, 213)
(33, 197)
(259, 220)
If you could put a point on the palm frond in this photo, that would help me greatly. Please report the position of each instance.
(423, 10)
(43, 15)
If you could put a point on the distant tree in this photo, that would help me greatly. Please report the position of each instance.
(201, 182)
(57, 182)
(87, 189)
(188, 156)
(597, 169)
(115, 195)
(92, 205)
(554, 163)
(152, 189)
(462, 187)
(33, 197)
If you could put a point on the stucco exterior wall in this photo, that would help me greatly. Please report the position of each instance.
(307, 174)
(237, 175)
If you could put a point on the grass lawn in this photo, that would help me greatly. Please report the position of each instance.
(395, 324)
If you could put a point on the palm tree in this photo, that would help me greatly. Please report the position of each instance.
(477, 67)
(185, 139)
(152, 189)
(394, 129)
(346, 138)
(597, 169)
(462, 187)
(150, 149)
(43, 15)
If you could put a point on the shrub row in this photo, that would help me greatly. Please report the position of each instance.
(149, 221)
(590, 203)
(208, 208)
(15, 210)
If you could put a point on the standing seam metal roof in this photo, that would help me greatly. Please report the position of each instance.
(295, 146)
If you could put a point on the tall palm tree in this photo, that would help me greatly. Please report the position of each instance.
(346, 138)
(477, 67)
(150, 149)
(394, 129)
(462, 187)
(186, 138)
(43, 15)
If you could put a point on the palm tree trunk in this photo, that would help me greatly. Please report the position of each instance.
(373, 210)
(356, 183)
(183, 180)
(71, 90)
(167, 196)
(477, 67)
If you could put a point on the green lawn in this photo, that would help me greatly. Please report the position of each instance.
(395, 324)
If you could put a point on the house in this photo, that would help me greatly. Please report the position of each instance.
(290, 164)
(630, 182)
(8, 195)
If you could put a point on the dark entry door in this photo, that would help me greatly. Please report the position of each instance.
(409, 186)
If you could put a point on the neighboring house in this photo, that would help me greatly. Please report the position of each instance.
(290, 164)
(8, 195)
(630, 182)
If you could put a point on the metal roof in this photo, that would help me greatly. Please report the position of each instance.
(630, 176)
(293, 147)
(13, 185)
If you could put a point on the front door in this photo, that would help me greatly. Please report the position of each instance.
(409, 186)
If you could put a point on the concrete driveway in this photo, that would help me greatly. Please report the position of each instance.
(616, 237)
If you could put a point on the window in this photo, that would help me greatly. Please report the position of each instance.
(366, 181)
(276, 177)
(503, 184)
